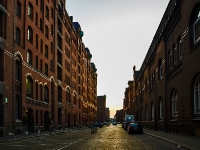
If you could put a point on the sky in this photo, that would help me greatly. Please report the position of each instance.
(118, 34)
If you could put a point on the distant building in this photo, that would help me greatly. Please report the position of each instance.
(107, 114)
(101, 107)
(120, 115)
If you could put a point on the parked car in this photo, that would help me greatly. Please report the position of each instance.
(114, 123)
(98, 124)
(135, 128)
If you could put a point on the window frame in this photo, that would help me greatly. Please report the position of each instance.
(197, 98)
(174, 100)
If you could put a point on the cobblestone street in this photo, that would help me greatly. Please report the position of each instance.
(109, 138)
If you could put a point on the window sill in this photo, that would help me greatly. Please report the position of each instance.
(174, 120)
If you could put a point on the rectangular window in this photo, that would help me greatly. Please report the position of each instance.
(36, 63)
(36, 41)
(46, 69)
(41, 46)
(41, 24)
(41, 65)
(30, 10)
(17, 35)
(30, 34)
(18, 9)
(46, 32)
(46, 51)
(36, 19)
(47, 13)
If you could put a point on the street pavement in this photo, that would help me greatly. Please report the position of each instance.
(189, 143)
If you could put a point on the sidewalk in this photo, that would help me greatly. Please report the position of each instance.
(31, 135)
(180, 140)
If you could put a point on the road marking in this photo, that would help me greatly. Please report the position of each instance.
(73, 143)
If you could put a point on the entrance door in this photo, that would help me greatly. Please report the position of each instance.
(30, 120)
(46, 121)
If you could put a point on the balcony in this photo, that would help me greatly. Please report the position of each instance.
(2, 41)
(1, 88)
(2, 9)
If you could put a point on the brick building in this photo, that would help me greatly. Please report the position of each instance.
(47, 79)
(167, 86)
(107, 114)
(101, 108)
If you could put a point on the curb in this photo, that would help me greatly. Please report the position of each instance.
(172, 142)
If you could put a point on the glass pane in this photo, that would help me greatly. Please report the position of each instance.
(197, 30)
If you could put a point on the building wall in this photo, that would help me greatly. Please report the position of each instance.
(58, 109)
(178, 77)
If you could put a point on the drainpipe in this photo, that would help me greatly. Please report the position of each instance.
(13, 68)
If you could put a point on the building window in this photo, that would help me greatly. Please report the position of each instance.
(36, 41)
(160, 70)
(152, 111)
(18, 70)
(30, 10)
(30, 34)
(29, 57)
(174, 54)
(146, 111)
(47, 12)
(41, 65)
(196, 26)
(18, 9)
(36, 91)
(75, 100)
(46, 31)
(41, 46)
(46, 69)
(41, 98)
(197, 96)
(18, 111)
(174, 104)
(36, 19)
(46, 94)
(169, 60)
(68, 96)
(60, 94)
(41, 25)
(160, 108)
(29, 87)
(179, 48)
(46, 51)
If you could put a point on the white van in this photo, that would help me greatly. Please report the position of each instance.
(128, 119)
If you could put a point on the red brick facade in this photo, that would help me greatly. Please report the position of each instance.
(167, 93)
(47, 79)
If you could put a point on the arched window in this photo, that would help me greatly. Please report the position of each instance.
(29, 87)
(196, 25)
(160, 71)
(197, 96)
(152, 111)
(160, 108)
(46, 94)
(68, 96)
(174, 100)
(18, 70)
